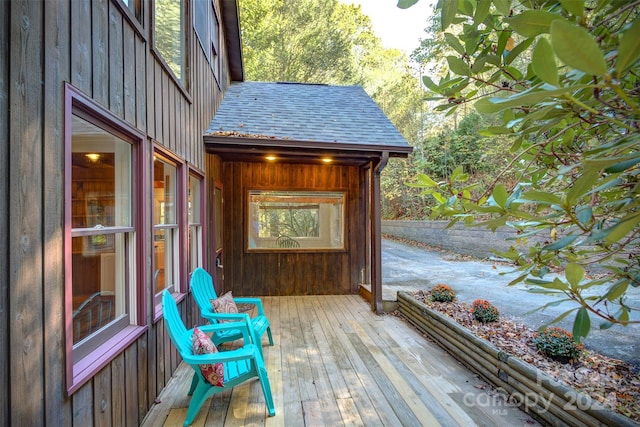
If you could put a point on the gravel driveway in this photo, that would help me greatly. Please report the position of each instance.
(409, 267)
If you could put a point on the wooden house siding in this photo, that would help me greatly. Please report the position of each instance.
(292, 272)
(98, 48)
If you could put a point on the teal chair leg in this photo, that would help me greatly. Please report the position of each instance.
(270, 337)
(194, 383)
(198, 398)
(266, 390)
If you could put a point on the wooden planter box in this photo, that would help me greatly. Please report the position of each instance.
(531, 389)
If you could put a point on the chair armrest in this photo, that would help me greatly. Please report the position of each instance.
(255, 301)
(243, 353)
(237, 317)
(221, 327)
(243, 326)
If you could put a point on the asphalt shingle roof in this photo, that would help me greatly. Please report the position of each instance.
(305, 112)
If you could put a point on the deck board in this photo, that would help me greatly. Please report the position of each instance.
(334, 362)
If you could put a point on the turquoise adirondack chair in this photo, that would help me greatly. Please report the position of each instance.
(240, 364)
(203, 291)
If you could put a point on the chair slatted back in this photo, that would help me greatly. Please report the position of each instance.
(173, 322)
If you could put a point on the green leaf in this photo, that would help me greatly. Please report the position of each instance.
(465, 7)
(404, 4)
(574, 7)
(612, 164)
(629, 48)
(566, 37)
(581, 325)
(479, 64)
(430, 84)
(458, 66)
(584, 214)
(616, 291)
(500, 195)
(528, 97)
(516, 51)
(454, 43)
(574, 274)
(623, 166)
(447, 12)
(542, 197)
(606, 325)
(503, 6)
(559, 244)
(622, 228)
(531, 23)
(544, 62)
(482, 10)
(554, 284)
(582, 186)
(426, 181)
(456, 173)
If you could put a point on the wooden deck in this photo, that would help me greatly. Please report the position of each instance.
(336, 363)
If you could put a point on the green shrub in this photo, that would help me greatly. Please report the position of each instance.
(443, 293)
(484, 312)
(558, 344)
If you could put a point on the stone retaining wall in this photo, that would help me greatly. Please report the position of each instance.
(477, 241)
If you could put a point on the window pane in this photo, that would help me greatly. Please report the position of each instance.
(99, 282)
(292, 220)
(100, 200)
(195, 247)
(218, 216)
(164, 192)
(194, 200)
(165, 221)
(163, 253)
(169, 34)
(195, 228)
(100, 178)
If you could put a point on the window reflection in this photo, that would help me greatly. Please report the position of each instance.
(100, 221)
(295, 220)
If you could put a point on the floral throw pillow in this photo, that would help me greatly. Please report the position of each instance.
(224, 304)
(202, 344)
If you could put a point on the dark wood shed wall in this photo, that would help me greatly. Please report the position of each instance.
(97, 48)
(292, 273)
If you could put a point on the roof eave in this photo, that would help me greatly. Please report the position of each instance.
(231, 26)
(266, 144)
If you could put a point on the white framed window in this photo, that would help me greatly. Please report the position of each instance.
(215, 42)
(295, 220)
(195, 214)
(170, 37)
(207, 27)
(166, 226)
(103, 295)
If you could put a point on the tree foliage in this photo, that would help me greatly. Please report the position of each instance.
(311, 41)
(561, 77)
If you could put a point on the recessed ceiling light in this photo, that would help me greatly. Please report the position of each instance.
(270, 158)
(327, 160)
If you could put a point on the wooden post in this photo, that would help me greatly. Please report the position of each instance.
(376, 234)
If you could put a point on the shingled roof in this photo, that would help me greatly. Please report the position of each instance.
(308, 114)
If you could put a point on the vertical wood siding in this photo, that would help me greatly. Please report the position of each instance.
(25, 302)
(4, 212)
(280, 273)
(56, 58)
(93, 46)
